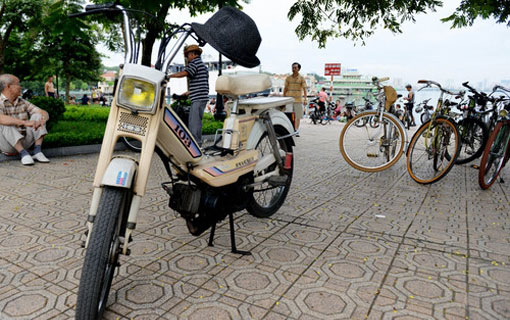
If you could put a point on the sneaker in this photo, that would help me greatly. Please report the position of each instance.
(40, 157)
(27, 160)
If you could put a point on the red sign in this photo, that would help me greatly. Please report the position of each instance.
(332, 69)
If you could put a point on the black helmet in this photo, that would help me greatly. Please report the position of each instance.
(408, 86)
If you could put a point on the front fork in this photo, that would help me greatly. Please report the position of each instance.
(131, 221)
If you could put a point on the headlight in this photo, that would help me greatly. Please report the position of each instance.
(137, 94)
(503, 113)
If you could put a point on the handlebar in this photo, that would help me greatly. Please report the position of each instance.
(429, 83)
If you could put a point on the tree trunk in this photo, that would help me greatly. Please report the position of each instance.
(154, 28)
(147, 44)
(68, 85)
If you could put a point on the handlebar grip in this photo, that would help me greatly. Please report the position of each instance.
(383, 79)
(423, 81)
(91, 7)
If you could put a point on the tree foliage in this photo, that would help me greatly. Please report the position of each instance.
(358, 19)
(68, 45)
(154, 24)
(17, 16)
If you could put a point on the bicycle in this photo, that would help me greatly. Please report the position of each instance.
(371, 149)
(367, 107)
(435, 145)
(497, 151)
(474, 130)
(425, 109)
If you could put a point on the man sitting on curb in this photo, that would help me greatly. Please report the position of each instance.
(17, 132)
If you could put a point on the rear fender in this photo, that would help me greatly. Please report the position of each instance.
(282, 125)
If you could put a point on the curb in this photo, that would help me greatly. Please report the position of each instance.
(77, 150)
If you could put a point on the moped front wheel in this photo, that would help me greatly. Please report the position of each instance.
(267, 198)
(102, 254)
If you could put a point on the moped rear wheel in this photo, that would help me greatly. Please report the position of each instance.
(102, 254)
(266, 199)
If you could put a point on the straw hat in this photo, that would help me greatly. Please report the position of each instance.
(192, 47)
(233, 33)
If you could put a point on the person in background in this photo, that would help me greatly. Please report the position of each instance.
(323, 96)
(85, 100)
(410, 103)
(18, 132)
(49, 88)
(295, 87)
(198, 75)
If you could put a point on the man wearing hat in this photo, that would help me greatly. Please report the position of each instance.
(198, 92)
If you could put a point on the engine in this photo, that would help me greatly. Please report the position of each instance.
(203, 206)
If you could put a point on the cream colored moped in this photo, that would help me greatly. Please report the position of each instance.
(249, 166)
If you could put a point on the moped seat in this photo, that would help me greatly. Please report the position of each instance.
(239, 85)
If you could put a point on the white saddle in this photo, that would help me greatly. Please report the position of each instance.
(242, 84)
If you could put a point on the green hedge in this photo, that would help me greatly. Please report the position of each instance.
(86, 125)
(76, 113)
(74, 133)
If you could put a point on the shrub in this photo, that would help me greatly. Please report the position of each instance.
(54, 107)
(96, 114)
(75, 133)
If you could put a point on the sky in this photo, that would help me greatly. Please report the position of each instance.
(427, 48)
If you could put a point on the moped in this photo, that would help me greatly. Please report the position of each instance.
(249, 166)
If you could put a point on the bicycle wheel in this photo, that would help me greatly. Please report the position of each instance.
(493, 157)
(473, 137)
(432, 151)
(372, 149)
(102, 254)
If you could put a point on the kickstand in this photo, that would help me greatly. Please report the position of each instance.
(211, 236)
(232, 237)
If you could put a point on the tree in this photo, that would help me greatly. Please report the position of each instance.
(358, 19)
(16, 15)
(154, 25)
(68, 45)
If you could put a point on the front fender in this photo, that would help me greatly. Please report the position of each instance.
(120, 173)
(279, 119)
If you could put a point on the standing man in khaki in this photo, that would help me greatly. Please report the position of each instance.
(17, 132)
(49, 88)
(295, 87)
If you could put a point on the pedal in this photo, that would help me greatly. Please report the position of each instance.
(277, 181)
(372, 155)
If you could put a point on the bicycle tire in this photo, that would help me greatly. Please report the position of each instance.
(493, 158)
(428, 150)
(363, 151)
(473, 137)
(102, 254)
